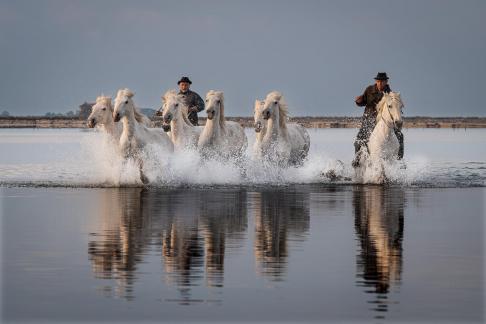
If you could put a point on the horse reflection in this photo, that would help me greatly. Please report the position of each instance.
(223, 219)
(279, 217)
(195, 234)
(190, 227)
(379, 226)
(182, 246)
(120, 238)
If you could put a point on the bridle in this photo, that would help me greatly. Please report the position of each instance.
(393, 121)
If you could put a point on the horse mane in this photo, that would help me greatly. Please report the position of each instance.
(168, 94)
(125, 92)
(396, 95)
(282, 105)
(104, 100)
(139, 117)
(381, 104)
(220, 95)
(184, 111)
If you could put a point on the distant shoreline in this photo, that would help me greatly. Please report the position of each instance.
(309, 122)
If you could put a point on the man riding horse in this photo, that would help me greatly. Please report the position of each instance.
(369, 99)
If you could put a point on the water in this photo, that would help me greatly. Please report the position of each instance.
(72, 157)
(81, 242)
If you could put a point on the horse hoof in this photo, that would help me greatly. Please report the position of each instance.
(144, 179)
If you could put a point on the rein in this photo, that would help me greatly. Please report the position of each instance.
(389, 113)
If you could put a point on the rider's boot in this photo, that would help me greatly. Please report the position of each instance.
(401, 146)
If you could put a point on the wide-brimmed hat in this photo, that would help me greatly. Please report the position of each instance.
(184, 79)
(381, 76)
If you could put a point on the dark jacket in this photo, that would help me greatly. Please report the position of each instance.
(192, 99)
(369, 99)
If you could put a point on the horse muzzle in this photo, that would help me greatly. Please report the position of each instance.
(258, 127)
(166, 127)
(91, 123)
(398, 124)
(210, 115)
(167, 119)
(266, 115)
(117, 118)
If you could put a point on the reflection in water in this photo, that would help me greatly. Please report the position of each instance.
(279, 216)
(223, 216)
(191, 228)
(195, 234)
(117, 246)
(378, 214)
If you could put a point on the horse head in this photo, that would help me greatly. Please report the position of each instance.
(173, 109)
(215, 105)
(101, 112)
(275, 108)
(123, 104)
(390, 109)
(260, 123)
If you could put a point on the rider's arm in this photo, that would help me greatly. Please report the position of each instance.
(361, 100)
(197, 104)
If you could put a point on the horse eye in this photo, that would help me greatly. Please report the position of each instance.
(218, 101)
(177, 105)
(126, 102)
(389, 106)
(104, 109)
(275, 102)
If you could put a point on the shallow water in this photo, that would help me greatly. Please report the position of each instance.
(207, 242)
(73, 157)
(296, 253)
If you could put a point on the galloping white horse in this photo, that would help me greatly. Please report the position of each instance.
(136, 135)
(285, 144)
(183, 134)
(219, 137)
(383, 144)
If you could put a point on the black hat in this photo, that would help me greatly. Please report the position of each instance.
(184, 79)
(381, 76)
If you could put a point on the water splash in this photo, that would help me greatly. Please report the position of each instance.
(91, 159)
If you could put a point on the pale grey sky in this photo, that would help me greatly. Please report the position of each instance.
(56, 54)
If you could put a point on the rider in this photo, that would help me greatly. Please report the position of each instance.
(193, 101)
(369, 99)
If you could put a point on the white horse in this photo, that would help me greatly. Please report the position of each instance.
(136, 135)
(219, 137)
(383, 143)
(283, 143)
(183, 134)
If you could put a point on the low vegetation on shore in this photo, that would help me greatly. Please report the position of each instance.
(309, 122)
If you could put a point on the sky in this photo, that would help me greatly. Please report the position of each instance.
(57, 54)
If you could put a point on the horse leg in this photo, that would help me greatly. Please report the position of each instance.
(143, 177)
(401, 147)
